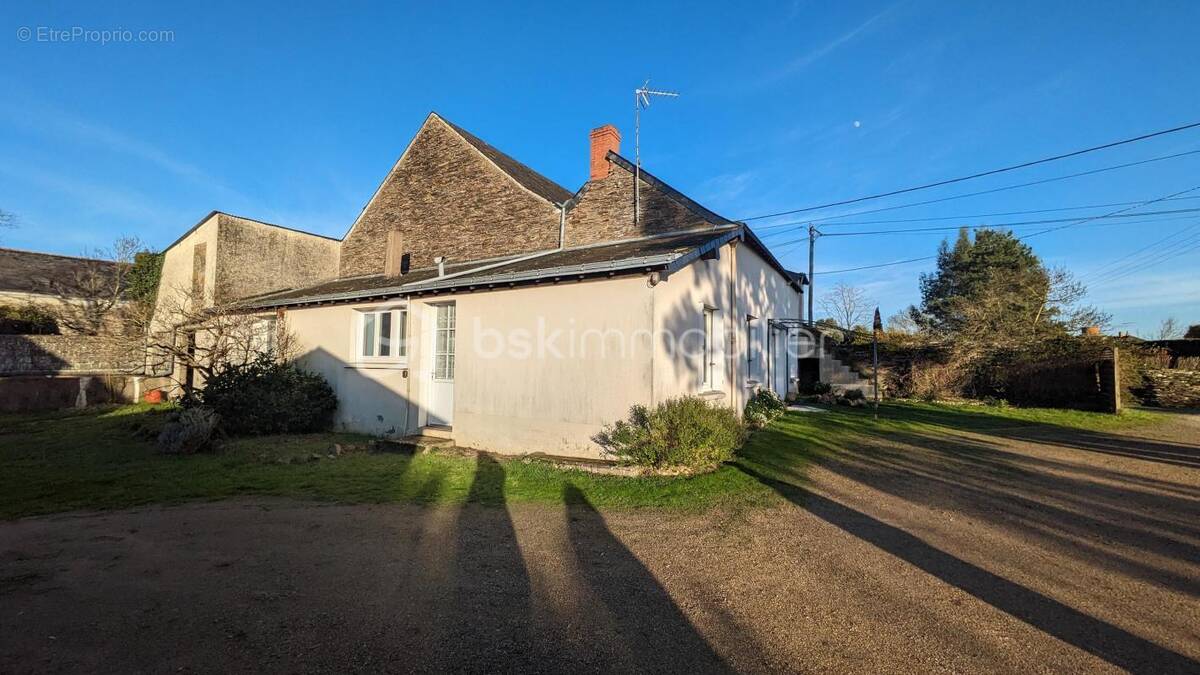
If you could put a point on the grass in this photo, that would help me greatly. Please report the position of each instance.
(102, 458)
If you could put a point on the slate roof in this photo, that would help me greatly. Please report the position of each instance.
(30, 272)
(534, 181)
(624, 257)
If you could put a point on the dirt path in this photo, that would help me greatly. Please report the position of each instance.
(1016, 551)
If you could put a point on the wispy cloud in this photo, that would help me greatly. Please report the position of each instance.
(52, 122)
(812, 56)
(126, 205)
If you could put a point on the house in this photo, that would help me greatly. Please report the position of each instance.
(55, 282)
(477, 299)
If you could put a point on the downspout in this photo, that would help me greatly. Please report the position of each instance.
(733, 326)
(562, 226)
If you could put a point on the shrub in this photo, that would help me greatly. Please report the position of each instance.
(188, 432)
(26, 319)
(815, 388)
(685, 431)
(763, 407)
(268, 397)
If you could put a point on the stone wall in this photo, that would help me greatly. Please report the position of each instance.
(55, 392)
(604, 212)
(1173, 388)
(253, 258)
(446, 199)
(56, 354)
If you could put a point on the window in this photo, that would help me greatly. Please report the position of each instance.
(262, 340)
(751, 348)
(382, 334)
(710, 348)
(443, 346)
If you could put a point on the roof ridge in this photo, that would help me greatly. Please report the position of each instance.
(522, 173)
(57, 255)
(674, 193)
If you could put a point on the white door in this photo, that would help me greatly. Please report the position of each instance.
(441, 388)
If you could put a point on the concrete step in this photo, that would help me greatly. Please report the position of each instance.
(436, 431)
(414, 444)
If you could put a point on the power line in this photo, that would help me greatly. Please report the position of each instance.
(992, 226)
(1109, 266)
(1175, 250)
(1022, 238)
(981, 192)
(1110, 214)
(982, 174)
(967, 217)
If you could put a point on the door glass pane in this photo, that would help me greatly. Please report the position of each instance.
(401, 334)
(368, 338)
(443, 364)
(385, 333)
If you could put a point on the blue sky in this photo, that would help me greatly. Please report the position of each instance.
(294, 114)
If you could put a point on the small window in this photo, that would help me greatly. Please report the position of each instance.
(710, 347)
(751, 347)
(382, 334)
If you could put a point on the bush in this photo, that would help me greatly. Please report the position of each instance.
(26, 319)
(685, 431)
(763, 407)
(815, 388)
(188, 432)
(268, 397)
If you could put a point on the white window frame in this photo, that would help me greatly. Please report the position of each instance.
(397, 335)
(752, 362)
(709, 365)
(444, 371)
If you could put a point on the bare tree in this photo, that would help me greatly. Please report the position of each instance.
(184, 334)
(88, 299)
(902, 322)
(1169, 329)
(847, 305)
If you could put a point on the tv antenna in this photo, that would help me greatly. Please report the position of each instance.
(641, 99)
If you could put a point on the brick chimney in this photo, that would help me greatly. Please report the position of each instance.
(604, 138)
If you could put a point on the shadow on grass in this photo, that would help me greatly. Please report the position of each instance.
(1106, 641)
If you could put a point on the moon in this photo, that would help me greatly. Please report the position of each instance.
(857, 124)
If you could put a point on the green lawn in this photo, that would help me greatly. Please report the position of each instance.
(103, 458)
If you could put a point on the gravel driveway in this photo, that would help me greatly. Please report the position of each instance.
(1014, 551)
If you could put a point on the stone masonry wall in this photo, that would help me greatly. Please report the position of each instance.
(605, 211)
(253, 258)
(446, 199)
(1173, 388)
(56, 354)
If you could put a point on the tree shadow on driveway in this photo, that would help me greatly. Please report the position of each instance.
(1100, 638)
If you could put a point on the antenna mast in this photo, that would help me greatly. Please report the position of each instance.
(641, 98)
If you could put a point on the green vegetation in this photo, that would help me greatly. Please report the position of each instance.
(141, 283)
(762, 408)
(680, 432)
(27, 319)
(105, 458)
(267, 396)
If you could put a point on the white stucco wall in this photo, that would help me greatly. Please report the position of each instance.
(589, 359)
(372, 398)
(543, 368)
(759, 291)
(175, 283)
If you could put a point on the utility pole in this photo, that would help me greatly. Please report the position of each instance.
(812, 245)
(641, 98)
(876, 327)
